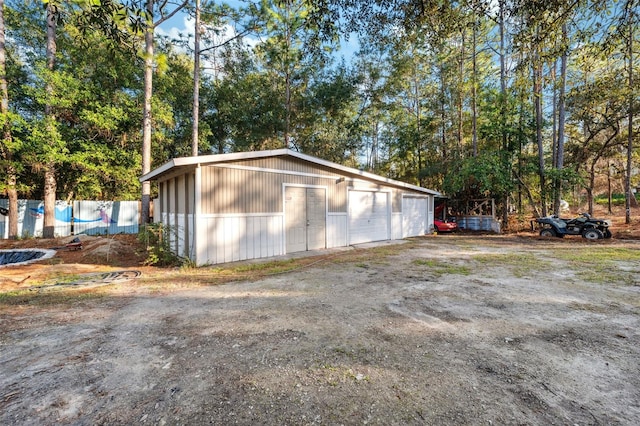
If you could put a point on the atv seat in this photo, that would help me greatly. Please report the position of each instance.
(558, 223)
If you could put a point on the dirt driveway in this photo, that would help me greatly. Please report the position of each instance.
(445, 330)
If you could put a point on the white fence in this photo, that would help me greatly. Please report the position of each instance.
(83, 217)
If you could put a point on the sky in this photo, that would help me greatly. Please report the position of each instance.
(184, 24)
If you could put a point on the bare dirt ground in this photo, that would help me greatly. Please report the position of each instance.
(442, 330)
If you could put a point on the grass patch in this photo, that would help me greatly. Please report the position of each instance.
(440, 267)
(273, 267)
(602, 265)
(605, 275)
(51, 298)
(597, 254)
(521, 265)
(373, 254)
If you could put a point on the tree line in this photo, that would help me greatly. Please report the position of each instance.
(527, 102)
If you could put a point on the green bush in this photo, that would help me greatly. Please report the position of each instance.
(616, 199)
(156, 238)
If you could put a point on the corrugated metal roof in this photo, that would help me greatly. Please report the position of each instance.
(237, 156)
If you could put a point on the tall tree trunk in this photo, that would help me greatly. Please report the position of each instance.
(503, 77)
(591, 187)
(443, 112)
(146, 114)
(474, 88)
(196, 83)
(374, 146)
(628, 193)
(554, 114)
(6, 149)
(287, 89)
(461, 87)
(50, 183)
(503, 113)
(609, 195)
(561, 120)
(418, 115)
(537, 100)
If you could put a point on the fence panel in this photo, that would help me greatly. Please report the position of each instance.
(105, 217)
(31, 219)
(86, 217)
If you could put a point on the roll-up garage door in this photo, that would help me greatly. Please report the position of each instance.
(368, 216)
(414, 216)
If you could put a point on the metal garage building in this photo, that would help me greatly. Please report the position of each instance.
(248, 205)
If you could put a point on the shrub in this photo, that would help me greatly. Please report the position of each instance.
(157, 238)
(616, 199)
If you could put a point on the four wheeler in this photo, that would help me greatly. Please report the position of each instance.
(585, 225)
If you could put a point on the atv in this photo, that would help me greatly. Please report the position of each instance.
(585, 225)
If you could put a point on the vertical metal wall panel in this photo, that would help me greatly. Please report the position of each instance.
(191, 203)
(157, 210)
(163, 197)
(337, 229)
(396, 200)
(237, 237)
(181, 194)
(183, 207)
(170, 196)
(171, 214)
(171, 225)
(396, 226)
(181, 233)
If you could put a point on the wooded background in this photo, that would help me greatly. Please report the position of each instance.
(527, 102)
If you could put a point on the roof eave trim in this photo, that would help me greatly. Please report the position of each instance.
(235, 156)
(209, 159)
(362, 173)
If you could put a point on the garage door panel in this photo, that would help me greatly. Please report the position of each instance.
(414, 216)
(368, 216)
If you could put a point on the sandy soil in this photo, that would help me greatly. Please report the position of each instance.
(397, 338)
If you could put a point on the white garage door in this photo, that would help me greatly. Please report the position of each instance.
(368, 216)
(414, 216)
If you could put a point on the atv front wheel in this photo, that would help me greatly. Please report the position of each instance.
(607, 233)
(593, 234)
(548, 232)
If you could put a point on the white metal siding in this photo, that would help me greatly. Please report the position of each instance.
(337, 230)
(230, 238)
(396, 226)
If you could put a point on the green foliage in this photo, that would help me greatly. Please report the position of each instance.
(479, 177)
(157, 240)
(406, 107)
(616, 199)
(569, 177)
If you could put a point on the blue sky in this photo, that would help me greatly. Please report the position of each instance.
(183, 24)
